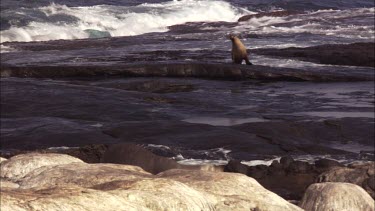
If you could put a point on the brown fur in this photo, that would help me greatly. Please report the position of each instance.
(238, 51)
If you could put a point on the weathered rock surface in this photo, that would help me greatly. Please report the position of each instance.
(336, 196)
(356, 54)
(4, 183)
(19, 166)
(361, 175)
(2, 159)
(81, 186)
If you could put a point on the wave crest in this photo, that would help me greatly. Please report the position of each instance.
(117, 20)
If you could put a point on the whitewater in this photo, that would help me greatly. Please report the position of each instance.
(57, 21)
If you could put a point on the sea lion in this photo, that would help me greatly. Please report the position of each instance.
(238, 51)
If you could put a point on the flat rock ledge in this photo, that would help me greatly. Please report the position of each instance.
(62, 182)
(198, 70)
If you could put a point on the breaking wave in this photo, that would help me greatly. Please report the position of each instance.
(56, 21)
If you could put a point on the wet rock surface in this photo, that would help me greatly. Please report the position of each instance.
(356, 54)
(251, 119)
(198, 70)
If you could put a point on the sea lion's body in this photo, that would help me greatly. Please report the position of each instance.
(238, 51)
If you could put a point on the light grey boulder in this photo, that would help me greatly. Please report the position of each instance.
(2, 159)
(336, 196)
(18, 166)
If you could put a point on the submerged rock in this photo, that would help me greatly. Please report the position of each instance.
(336, 196)
(82, 186)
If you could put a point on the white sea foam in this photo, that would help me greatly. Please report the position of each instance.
(6, 49)
(194, 162)
(158, 146)
(61, 148)
(120, 20)
(336, 23)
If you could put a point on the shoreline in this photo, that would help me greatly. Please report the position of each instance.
(279, 177)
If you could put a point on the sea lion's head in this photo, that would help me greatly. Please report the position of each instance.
(232, 37)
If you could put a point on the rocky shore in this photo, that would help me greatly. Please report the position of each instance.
(125, 177)
(118, 132)
(355, 54)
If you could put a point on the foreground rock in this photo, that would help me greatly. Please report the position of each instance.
(2, 159)
(356, 54)
(18, 166)
(289, 178)
(81, 186)
(336, 196)
(362, 175)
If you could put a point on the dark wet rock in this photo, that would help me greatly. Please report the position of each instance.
(160, 99)
(257, 172)
(312, 137)
(200, 70)
(90, 154)
(371, 182)
(276, 169)
(267, 14)
(131, 154)
(286, 161)
(236, 166)
(356, 54)
(276, 164)
(191, 136)
(154, 86)
(163, 151)
(300, 167)
(326, 163)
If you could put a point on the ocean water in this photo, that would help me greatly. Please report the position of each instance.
(317, 21)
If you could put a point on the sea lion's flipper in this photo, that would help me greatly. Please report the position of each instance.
(247, 61)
